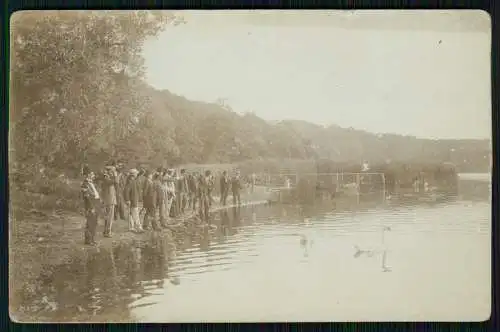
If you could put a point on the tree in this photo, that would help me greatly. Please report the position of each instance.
(74, 79)
(78, 93)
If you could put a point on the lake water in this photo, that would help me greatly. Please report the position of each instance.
(475, 176)
(284, 263)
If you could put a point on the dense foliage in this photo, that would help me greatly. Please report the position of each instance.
(74, 79)
(78, 96)
(209, 133)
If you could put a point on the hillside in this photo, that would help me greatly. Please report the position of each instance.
(75, 99)
(172, 130)
(208, 133)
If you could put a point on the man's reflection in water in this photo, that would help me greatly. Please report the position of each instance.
(128, 267)
(205, 239)
(115, 298)
(154, 260)
(225, 223)
(92, 285)
(149, 260)
(100, 288)
(87, 288)
(111, 275)
(60, 291)
(163, 259)
(254, 214)
(138, 272)
(236, 217)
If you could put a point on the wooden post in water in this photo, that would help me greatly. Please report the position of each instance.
(337, 183)
(383, 187)
(358, 185)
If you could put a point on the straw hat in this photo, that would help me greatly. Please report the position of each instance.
(133, 171)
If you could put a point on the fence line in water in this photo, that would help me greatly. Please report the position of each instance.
(354, 184)
(328, 182)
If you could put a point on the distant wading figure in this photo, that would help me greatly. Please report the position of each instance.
(90, 201)
(236, 186)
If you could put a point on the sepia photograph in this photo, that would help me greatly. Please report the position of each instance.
(250, 166)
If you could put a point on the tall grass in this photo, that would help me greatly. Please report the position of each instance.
(44, 194)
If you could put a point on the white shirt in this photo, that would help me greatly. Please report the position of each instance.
(96, 193)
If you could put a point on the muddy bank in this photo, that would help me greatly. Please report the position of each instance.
(41, 241)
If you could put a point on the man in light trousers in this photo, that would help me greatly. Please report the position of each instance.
(131, 196)
(170, 190)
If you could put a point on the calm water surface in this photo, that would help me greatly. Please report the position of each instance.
(278, 263)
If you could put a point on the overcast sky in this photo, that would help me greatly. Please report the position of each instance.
(419, 73)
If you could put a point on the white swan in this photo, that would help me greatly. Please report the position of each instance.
(306, 244)
(304, 241)
(384, 229)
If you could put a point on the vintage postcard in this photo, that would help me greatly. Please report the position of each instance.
(250, 166)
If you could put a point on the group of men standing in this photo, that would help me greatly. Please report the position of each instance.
(234, 183)
(164, 193)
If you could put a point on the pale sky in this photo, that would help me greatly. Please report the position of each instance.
(417, 73)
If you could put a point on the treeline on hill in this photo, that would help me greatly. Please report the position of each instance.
(210, 133)
(78, 96)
